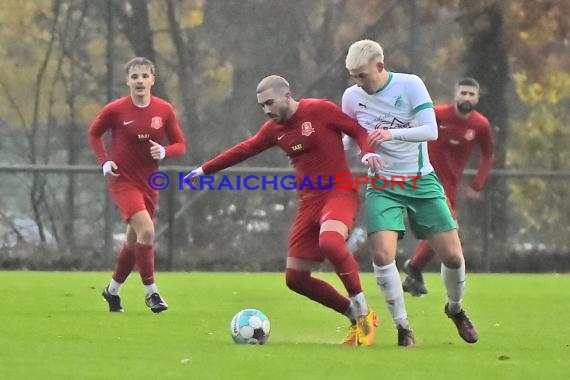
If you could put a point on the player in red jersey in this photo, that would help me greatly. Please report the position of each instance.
(138, 123)
(310, 132)
(461, 129)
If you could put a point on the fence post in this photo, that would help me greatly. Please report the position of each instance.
(171, 211)
(487, 234)
(108, 226)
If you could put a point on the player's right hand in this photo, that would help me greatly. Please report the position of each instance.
(193, 176)
(110, 168)
(373, 161)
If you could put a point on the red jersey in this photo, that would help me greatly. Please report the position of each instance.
(450, 153)
(131, 129)
(312, 138)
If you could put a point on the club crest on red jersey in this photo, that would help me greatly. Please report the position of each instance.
(156, 122)
(469, 135)
(307, 128)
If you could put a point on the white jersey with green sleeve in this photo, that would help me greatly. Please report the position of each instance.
(395, 107)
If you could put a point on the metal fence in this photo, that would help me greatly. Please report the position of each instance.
(60, 217)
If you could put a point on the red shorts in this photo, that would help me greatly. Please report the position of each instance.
(130, 199)
(450, 188)
(341, 205)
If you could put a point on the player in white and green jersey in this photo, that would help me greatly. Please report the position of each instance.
(394, 107)
(398, 112)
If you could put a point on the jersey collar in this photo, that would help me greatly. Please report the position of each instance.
(390, 76)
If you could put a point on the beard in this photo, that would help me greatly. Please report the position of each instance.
(465, 107)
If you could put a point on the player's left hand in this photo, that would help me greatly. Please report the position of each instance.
(373, 161)
(471, 193)
(378, 136)
(157, 151)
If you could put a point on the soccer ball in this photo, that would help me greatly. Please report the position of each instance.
(250, 326)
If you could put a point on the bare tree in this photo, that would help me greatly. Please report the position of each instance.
(185, 68)
(133, 19)
(486, 59)
(37, 191)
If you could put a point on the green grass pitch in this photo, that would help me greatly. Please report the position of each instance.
(55, 325)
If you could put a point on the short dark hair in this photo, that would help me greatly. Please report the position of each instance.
(467, 81)
(139, 61)
(275, 82)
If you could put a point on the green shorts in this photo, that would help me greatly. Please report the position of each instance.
(425, 203)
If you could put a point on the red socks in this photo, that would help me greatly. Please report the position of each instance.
(125, 263)
(334, 248)
(144, 254)
(318, 290)
(424, 253)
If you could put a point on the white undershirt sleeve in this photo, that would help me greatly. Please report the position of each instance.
(425, 131)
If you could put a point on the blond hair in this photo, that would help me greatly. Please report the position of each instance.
(362, 53)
